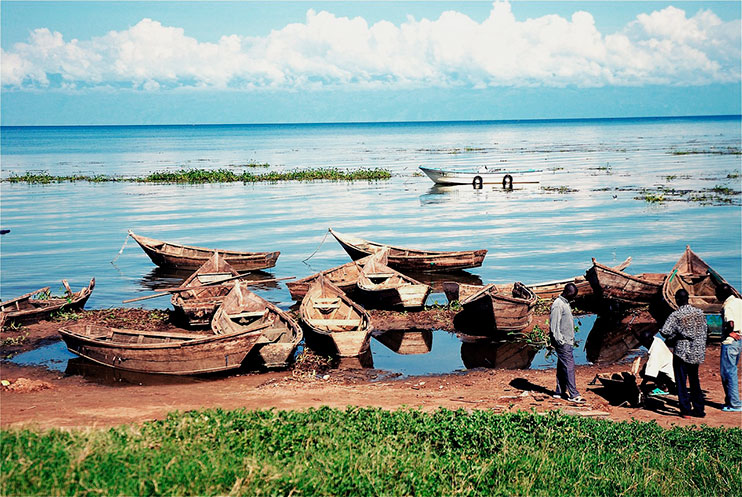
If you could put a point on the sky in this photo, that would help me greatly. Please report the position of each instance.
(79, 63)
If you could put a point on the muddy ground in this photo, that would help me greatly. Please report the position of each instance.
(39, 397)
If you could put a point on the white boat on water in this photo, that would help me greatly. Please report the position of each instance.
(483, 176)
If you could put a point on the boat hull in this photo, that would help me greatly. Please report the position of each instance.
(497, 310)
(613, 284)
(206, 354)
(493, 177)
(42, 309)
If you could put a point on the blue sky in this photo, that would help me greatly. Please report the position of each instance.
(244, 62)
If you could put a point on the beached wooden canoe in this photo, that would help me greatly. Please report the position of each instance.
(694, 275)
(175, 255)
(344, 277)
(197, 306)
(334, 323)
(552, 289)
(243, 309)
(497, 309)
(611, 283)
(26, 309)
(382, 287)
(171, 352)
(411, 259)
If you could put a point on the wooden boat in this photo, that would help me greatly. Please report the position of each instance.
(333, 321)
(406, 342)
(344, 277)
(382, 287)
(175, 255)
(545, 291)
(178, 353)
(497, 309)
(485, 175)
(615, 284)
(280, 334)
(411, 259)
(26, 309)
(694, 275)
(197, 306)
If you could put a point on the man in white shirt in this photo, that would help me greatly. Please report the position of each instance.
(731, 346)
(659, 365)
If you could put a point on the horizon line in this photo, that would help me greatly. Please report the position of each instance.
(347, 123)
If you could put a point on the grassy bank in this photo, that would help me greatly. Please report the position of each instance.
(202, 176)
(373, 452)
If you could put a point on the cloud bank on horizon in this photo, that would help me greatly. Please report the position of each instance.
(665, 47)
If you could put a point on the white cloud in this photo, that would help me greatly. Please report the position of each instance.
(661, 47)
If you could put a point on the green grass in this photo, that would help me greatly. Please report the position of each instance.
(202, 176)
(373, 452)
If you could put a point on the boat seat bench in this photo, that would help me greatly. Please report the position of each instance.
(337, 322)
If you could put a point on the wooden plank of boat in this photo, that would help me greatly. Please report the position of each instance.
(694, 275)
(175, 353)
(198, 305)
(344, 277)
(175, 255)
(382, 287)
(280, 335)
(496, 310)
(26, 309)
(411, 259)
(343, 330)
(611, 283)
(487, 175)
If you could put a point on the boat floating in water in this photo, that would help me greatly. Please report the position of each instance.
(176, 255)
(483, 176)
(411, 259)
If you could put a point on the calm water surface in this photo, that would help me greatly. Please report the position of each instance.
(74, 231)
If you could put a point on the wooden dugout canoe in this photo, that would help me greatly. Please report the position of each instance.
(694, 275)
(280, 334)
(344, 277)
(176, 353)
(175, 255)
(499, 308)
(611, 283)
(382, 287)
(26, 309)
(411, 259)
(333, 321)
(197, 306)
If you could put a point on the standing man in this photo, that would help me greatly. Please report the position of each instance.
(731, 346)
(562, 328)
(686, 328)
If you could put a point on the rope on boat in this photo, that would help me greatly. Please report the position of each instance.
(317, 249)
(122, 248)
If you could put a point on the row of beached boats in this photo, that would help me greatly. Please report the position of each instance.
(231, 325)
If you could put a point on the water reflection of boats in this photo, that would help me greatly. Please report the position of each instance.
(484, 353)
(168, 277)
(406, 259)
(168, 254)
(611, 339)
(406, 342)
(691, 273)
(363, 361)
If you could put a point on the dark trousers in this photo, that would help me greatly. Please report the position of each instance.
(688, 372)
(565, 371)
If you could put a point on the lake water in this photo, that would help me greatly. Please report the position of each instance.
(74, 230)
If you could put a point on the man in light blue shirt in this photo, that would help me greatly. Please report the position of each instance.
(562, 328)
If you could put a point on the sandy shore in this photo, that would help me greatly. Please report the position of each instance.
(43, 398)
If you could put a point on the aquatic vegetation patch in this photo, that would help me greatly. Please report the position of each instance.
(710, 151)
(369, 451)
(203, 176)
(559, 189)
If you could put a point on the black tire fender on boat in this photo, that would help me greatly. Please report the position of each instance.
(507, 182)
(477, 182)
